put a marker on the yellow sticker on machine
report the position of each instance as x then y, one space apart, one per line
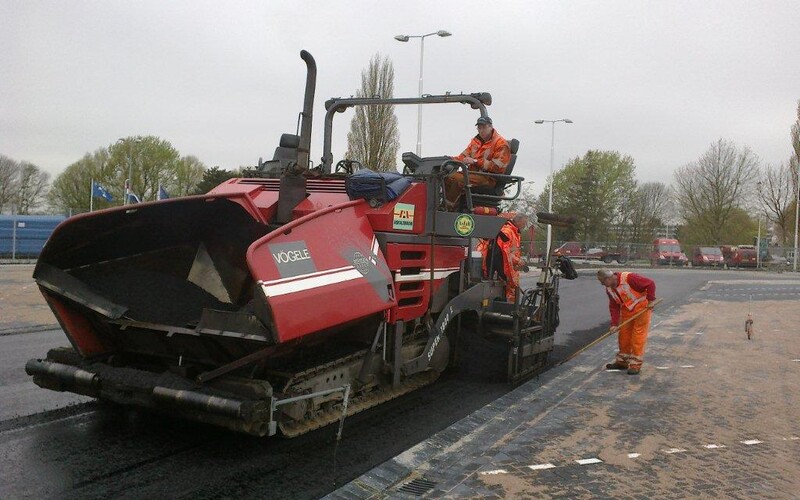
403 217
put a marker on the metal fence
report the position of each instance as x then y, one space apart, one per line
645 253
24 236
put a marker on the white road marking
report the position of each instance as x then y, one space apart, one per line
687 366
541 466
796 360
699 333
493 472
662 367
669 451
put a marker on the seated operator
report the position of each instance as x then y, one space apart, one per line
487 152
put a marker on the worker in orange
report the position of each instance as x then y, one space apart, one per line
502 257
488 151
628 294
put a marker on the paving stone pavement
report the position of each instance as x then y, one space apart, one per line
712 414
22 307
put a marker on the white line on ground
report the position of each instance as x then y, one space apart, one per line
751 442
541 466
662 367
493 472
699 333
796 360
589 461
634 455
713 446
687 366
674 450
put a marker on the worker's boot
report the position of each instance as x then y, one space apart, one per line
634 370
615 366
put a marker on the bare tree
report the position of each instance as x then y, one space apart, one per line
9 181
775 193
32 188
373 139
708 190
649 206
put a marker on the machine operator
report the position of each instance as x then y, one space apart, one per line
488 151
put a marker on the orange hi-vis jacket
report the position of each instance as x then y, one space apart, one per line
626 296
509 241
512 253
491 156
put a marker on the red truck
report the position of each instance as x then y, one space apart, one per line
576 250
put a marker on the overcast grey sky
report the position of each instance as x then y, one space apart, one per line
659 81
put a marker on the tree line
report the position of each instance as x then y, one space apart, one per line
720 198
145 163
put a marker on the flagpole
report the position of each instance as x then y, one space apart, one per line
91 197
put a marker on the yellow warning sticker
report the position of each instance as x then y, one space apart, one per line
403 217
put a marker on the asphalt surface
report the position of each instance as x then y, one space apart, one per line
91 450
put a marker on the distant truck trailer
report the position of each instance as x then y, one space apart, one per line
576 250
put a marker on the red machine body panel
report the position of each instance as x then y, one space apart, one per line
406 214
411 266
321 271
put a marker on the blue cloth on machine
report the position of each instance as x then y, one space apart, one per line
376 185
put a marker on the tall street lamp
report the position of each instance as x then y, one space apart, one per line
405 38
796 217
550 195
129 180
758 237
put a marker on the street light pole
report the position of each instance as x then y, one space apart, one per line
129 181
405 38
758 237
796 216
758 244
550 191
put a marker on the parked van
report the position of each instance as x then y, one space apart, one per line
667 251
707 256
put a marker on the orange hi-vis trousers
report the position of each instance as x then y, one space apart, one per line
633 336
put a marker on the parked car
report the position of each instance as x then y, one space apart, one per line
707 256
667 251
743 256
